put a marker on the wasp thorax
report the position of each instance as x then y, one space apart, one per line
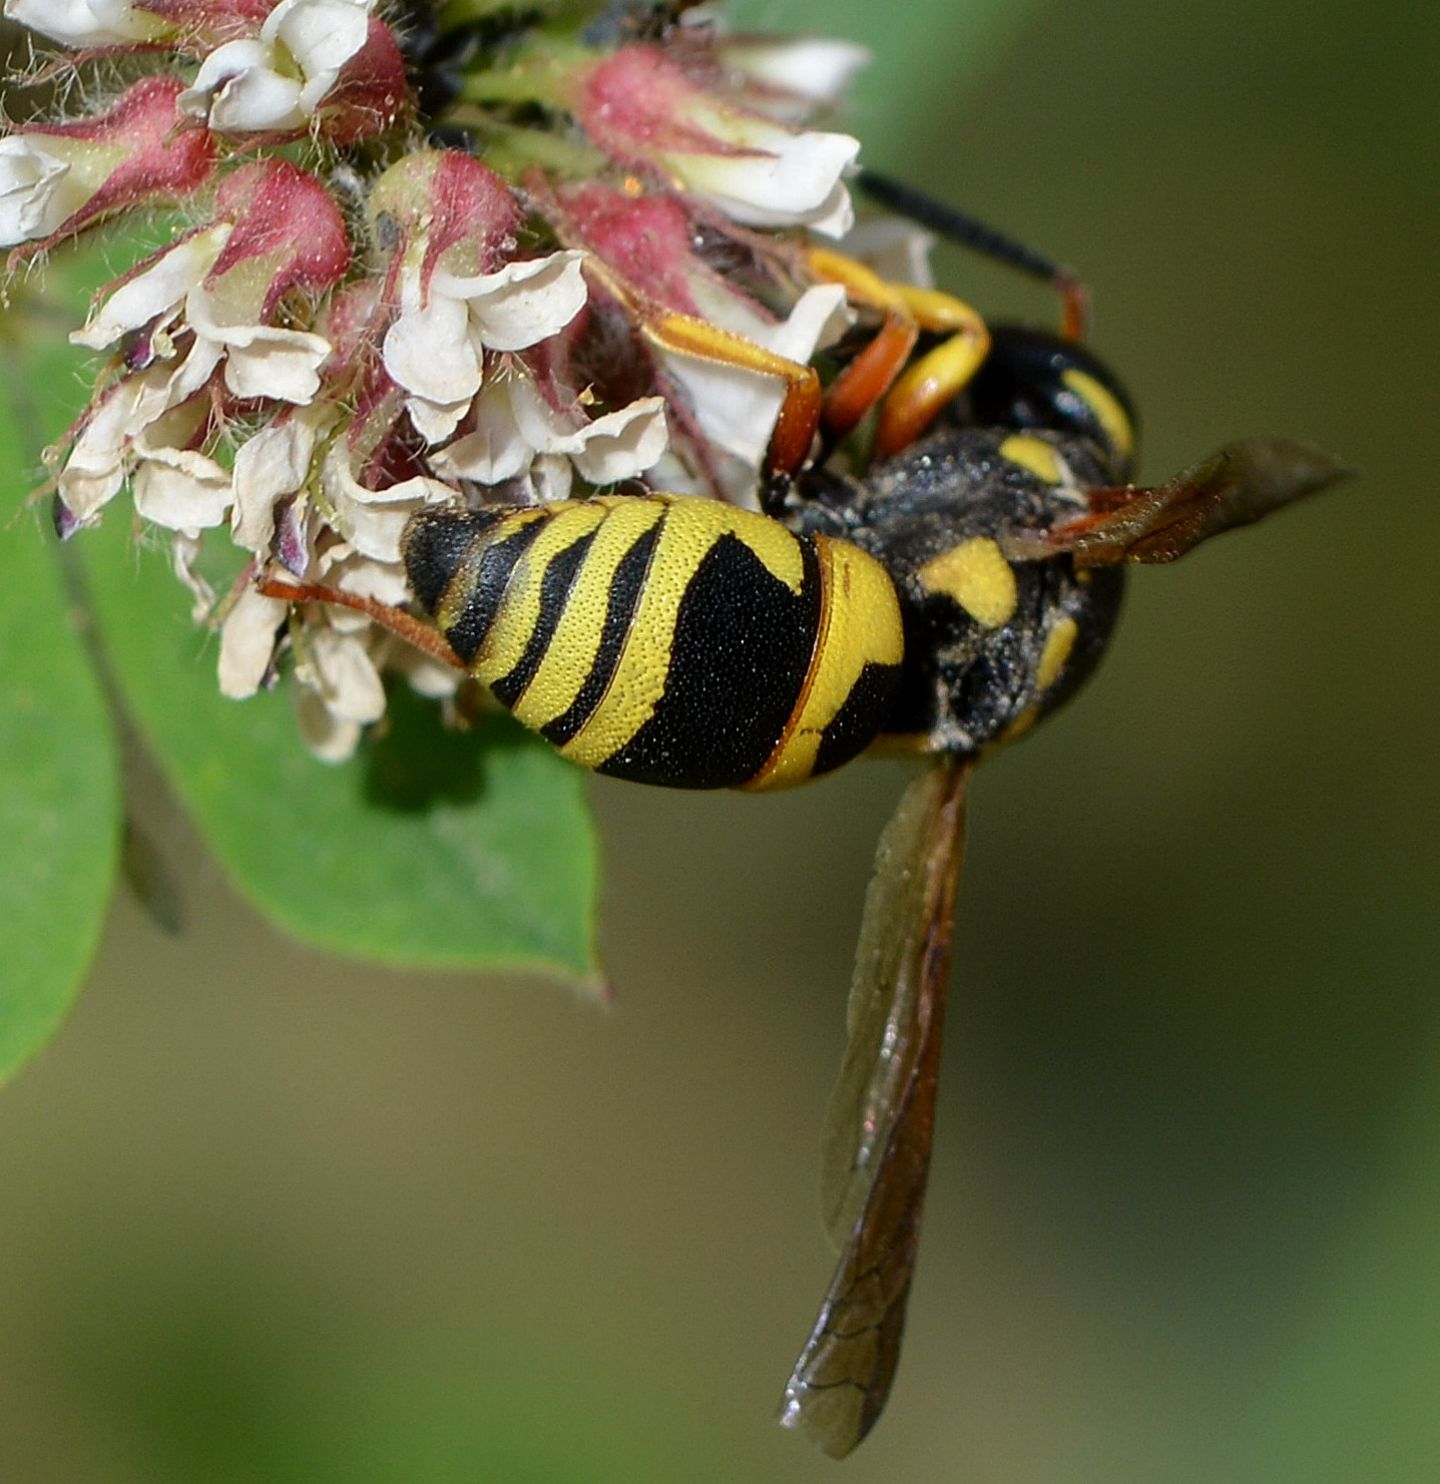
991 645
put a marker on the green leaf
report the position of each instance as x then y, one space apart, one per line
59 782
428 848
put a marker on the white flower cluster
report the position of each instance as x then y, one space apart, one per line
307 383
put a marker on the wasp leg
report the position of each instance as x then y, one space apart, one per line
403 625
799 417
937 377
873 372
684 334
968 231
909 397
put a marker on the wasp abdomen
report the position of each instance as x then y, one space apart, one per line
665 638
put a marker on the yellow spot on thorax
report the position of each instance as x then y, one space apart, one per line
1059 643
1106 407
1035 455
977 577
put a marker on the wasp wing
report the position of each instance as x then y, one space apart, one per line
1238 484
878 1131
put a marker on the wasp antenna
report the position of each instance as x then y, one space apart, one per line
960 227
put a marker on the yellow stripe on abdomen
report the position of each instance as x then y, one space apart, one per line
859 625
618 523
691 529
518 614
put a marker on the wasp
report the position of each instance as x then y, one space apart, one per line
936 605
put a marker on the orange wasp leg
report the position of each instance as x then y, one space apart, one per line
799 416
684 334
909 397
403 625
872 373
937 377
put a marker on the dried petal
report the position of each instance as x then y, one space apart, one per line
247 642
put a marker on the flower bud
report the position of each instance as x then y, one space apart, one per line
325 63
57 178
453 222
644 110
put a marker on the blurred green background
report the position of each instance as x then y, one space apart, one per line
266 1216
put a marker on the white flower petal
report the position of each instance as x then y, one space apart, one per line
526 302
670 472
736 407
429 351
195 370
95 469
159 290
426 676
372 520
239 88
261 360
623 443
515 429
367 578
247 642
344 674
328 738
179 488
84 23
897 250
781 177
835 216
38 191
272 464
278 79
544 429
184 553
281 364
817 317
436 421
321 35
551 478
496 450
814 68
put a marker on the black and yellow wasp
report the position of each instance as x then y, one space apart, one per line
937 605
